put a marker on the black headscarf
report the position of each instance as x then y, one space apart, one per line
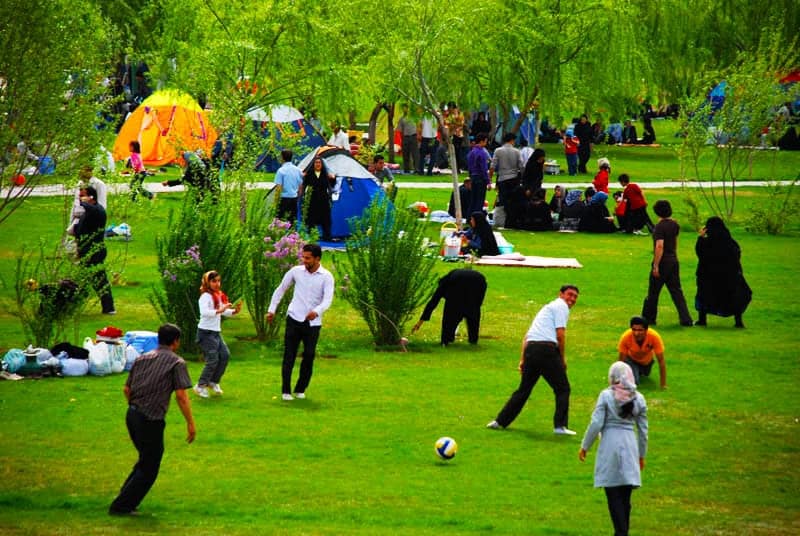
533 176
484 232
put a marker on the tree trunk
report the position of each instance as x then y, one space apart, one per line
373 123
390 131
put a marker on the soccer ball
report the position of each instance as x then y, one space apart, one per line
446 447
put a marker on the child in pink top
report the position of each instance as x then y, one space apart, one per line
139 172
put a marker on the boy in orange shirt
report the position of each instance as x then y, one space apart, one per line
638 345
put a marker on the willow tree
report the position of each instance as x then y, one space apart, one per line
53 59
424 60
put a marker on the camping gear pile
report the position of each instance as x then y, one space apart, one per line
108 353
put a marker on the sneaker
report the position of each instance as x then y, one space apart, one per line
109 312
640 233
494 425
301 396
201 391
287 397
562 430
216 388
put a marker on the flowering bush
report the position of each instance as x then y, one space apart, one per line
199 237
274 248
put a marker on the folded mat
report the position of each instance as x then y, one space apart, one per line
516 259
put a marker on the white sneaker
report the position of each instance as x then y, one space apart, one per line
561 430
640 233
494 425
216 388
287 397
301 396
201 391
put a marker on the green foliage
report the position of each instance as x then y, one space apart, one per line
385 273
50 292
731 135
774 214
53 55
199 237
273 248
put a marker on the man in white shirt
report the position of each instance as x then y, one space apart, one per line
339 138
313 294
428 143
543 354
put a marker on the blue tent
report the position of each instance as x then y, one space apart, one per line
717 96
286 122
355 186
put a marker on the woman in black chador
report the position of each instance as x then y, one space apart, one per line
319 180
721 287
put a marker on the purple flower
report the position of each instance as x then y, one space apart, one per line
267 239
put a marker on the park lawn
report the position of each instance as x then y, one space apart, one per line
357 457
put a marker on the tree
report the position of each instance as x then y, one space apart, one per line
53 60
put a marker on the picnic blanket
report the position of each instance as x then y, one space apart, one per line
527 261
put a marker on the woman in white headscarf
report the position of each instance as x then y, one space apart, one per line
620 456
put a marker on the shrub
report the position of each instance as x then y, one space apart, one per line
199 237
273 248
773 215
50 291
385 273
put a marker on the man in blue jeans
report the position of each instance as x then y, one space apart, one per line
313 295
153 378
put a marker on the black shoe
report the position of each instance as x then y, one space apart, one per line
687 324
739 325
700 323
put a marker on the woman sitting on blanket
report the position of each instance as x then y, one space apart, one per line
480 238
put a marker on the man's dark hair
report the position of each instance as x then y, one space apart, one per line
314 249
509 136
565 288
286 155
168 333
90 191
624 178
639 321
662 208
377 158
481 137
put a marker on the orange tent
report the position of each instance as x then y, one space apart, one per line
167 123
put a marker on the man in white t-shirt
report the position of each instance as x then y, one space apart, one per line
543 354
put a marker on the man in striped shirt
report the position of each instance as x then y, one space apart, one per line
152 379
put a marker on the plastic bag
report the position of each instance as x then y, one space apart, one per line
99 362
14 360
131 354
116 353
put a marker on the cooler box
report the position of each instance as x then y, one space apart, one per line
143 341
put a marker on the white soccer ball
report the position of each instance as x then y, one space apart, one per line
446 448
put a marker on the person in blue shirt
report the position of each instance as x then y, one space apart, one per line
287 181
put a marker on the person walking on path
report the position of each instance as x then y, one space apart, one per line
313 295
620 456
544 354
151 381
214 304
665 269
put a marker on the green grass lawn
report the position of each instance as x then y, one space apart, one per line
357 456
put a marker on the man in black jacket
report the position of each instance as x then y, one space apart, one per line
90 234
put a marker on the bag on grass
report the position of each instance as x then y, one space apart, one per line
14 360
116 354
131 354
99 361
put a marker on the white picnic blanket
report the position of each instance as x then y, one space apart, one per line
527 261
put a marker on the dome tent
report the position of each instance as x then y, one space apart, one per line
165 124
